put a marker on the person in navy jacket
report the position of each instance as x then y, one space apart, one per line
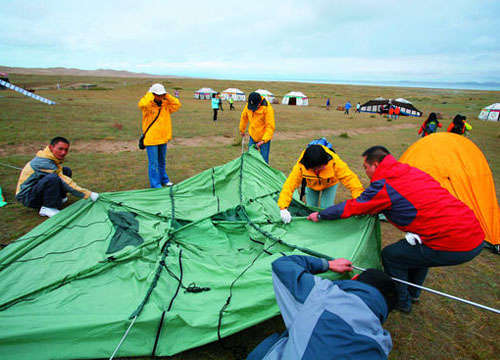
441 230
328 319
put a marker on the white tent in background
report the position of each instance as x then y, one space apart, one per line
236 94
204 93
491 113
295 98
267 94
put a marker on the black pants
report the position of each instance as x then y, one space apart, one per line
215 114
231 107
49 191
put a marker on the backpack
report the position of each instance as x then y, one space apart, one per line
322 141
431 127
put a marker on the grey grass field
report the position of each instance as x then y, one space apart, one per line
103 125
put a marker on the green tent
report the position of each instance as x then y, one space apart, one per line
176 267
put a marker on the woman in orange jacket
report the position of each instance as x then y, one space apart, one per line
156 106
322 170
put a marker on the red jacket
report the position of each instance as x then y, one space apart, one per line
413 201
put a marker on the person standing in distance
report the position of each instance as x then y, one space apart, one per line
156 106
260 114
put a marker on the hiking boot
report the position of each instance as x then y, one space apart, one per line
404 307
46 211
414 300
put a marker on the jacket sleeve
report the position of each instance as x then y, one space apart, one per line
243 120
450 127
372 201
72 187
292 182
145 101
270 125
421 128
349 179
173 104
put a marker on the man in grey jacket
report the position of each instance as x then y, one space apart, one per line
329 319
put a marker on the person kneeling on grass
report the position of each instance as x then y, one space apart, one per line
44 183
322 169
442 230
328 319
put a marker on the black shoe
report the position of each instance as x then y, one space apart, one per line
404 307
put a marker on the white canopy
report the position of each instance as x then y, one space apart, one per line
267 94
401 100
235 93
295 98
490 113
204 93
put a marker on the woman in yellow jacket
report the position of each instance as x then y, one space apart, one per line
322 169
157 104
260 114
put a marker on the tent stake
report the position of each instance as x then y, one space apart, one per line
123 338
439 293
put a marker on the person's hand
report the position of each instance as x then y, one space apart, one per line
286 217
340 265
259 144
94 196
242 134
313 217
413 239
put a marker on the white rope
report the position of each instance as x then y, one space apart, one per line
123 338
439 293
13 167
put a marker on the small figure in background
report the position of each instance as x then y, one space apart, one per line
347 107
328 104
430 125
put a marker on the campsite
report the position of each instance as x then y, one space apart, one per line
102 122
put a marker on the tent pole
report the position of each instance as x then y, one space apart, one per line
439 293
123 338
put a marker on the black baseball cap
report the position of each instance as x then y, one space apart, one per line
254 100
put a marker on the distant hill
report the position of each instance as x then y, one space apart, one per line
78 72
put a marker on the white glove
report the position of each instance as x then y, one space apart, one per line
286 217
94 196
413 239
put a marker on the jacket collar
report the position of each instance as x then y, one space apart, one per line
47 154
384 168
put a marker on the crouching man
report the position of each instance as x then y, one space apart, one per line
328 319
44 183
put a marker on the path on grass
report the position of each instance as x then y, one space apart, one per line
115 146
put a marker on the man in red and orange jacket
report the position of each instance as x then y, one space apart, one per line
442 230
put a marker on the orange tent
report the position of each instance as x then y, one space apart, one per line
461 168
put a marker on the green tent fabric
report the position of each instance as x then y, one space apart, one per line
73 285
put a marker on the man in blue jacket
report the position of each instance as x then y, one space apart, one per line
328 319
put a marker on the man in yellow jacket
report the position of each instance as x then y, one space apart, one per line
259 113
322 169
156 106
44 182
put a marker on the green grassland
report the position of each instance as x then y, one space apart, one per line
437 328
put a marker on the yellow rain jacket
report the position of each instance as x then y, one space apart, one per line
161 131
261 126
335 170
45 163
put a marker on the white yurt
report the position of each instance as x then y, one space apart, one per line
295 98
266 94
204 93
236 94
490 113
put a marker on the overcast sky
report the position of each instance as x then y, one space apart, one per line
303 40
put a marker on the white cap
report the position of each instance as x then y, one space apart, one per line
157 89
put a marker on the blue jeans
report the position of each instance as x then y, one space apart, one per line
327 197
264 148
411 263
157 155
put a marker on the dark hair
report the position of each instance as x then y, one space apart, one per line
59 139
315 156
383 283
214 95
459 119
432 117
375 153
